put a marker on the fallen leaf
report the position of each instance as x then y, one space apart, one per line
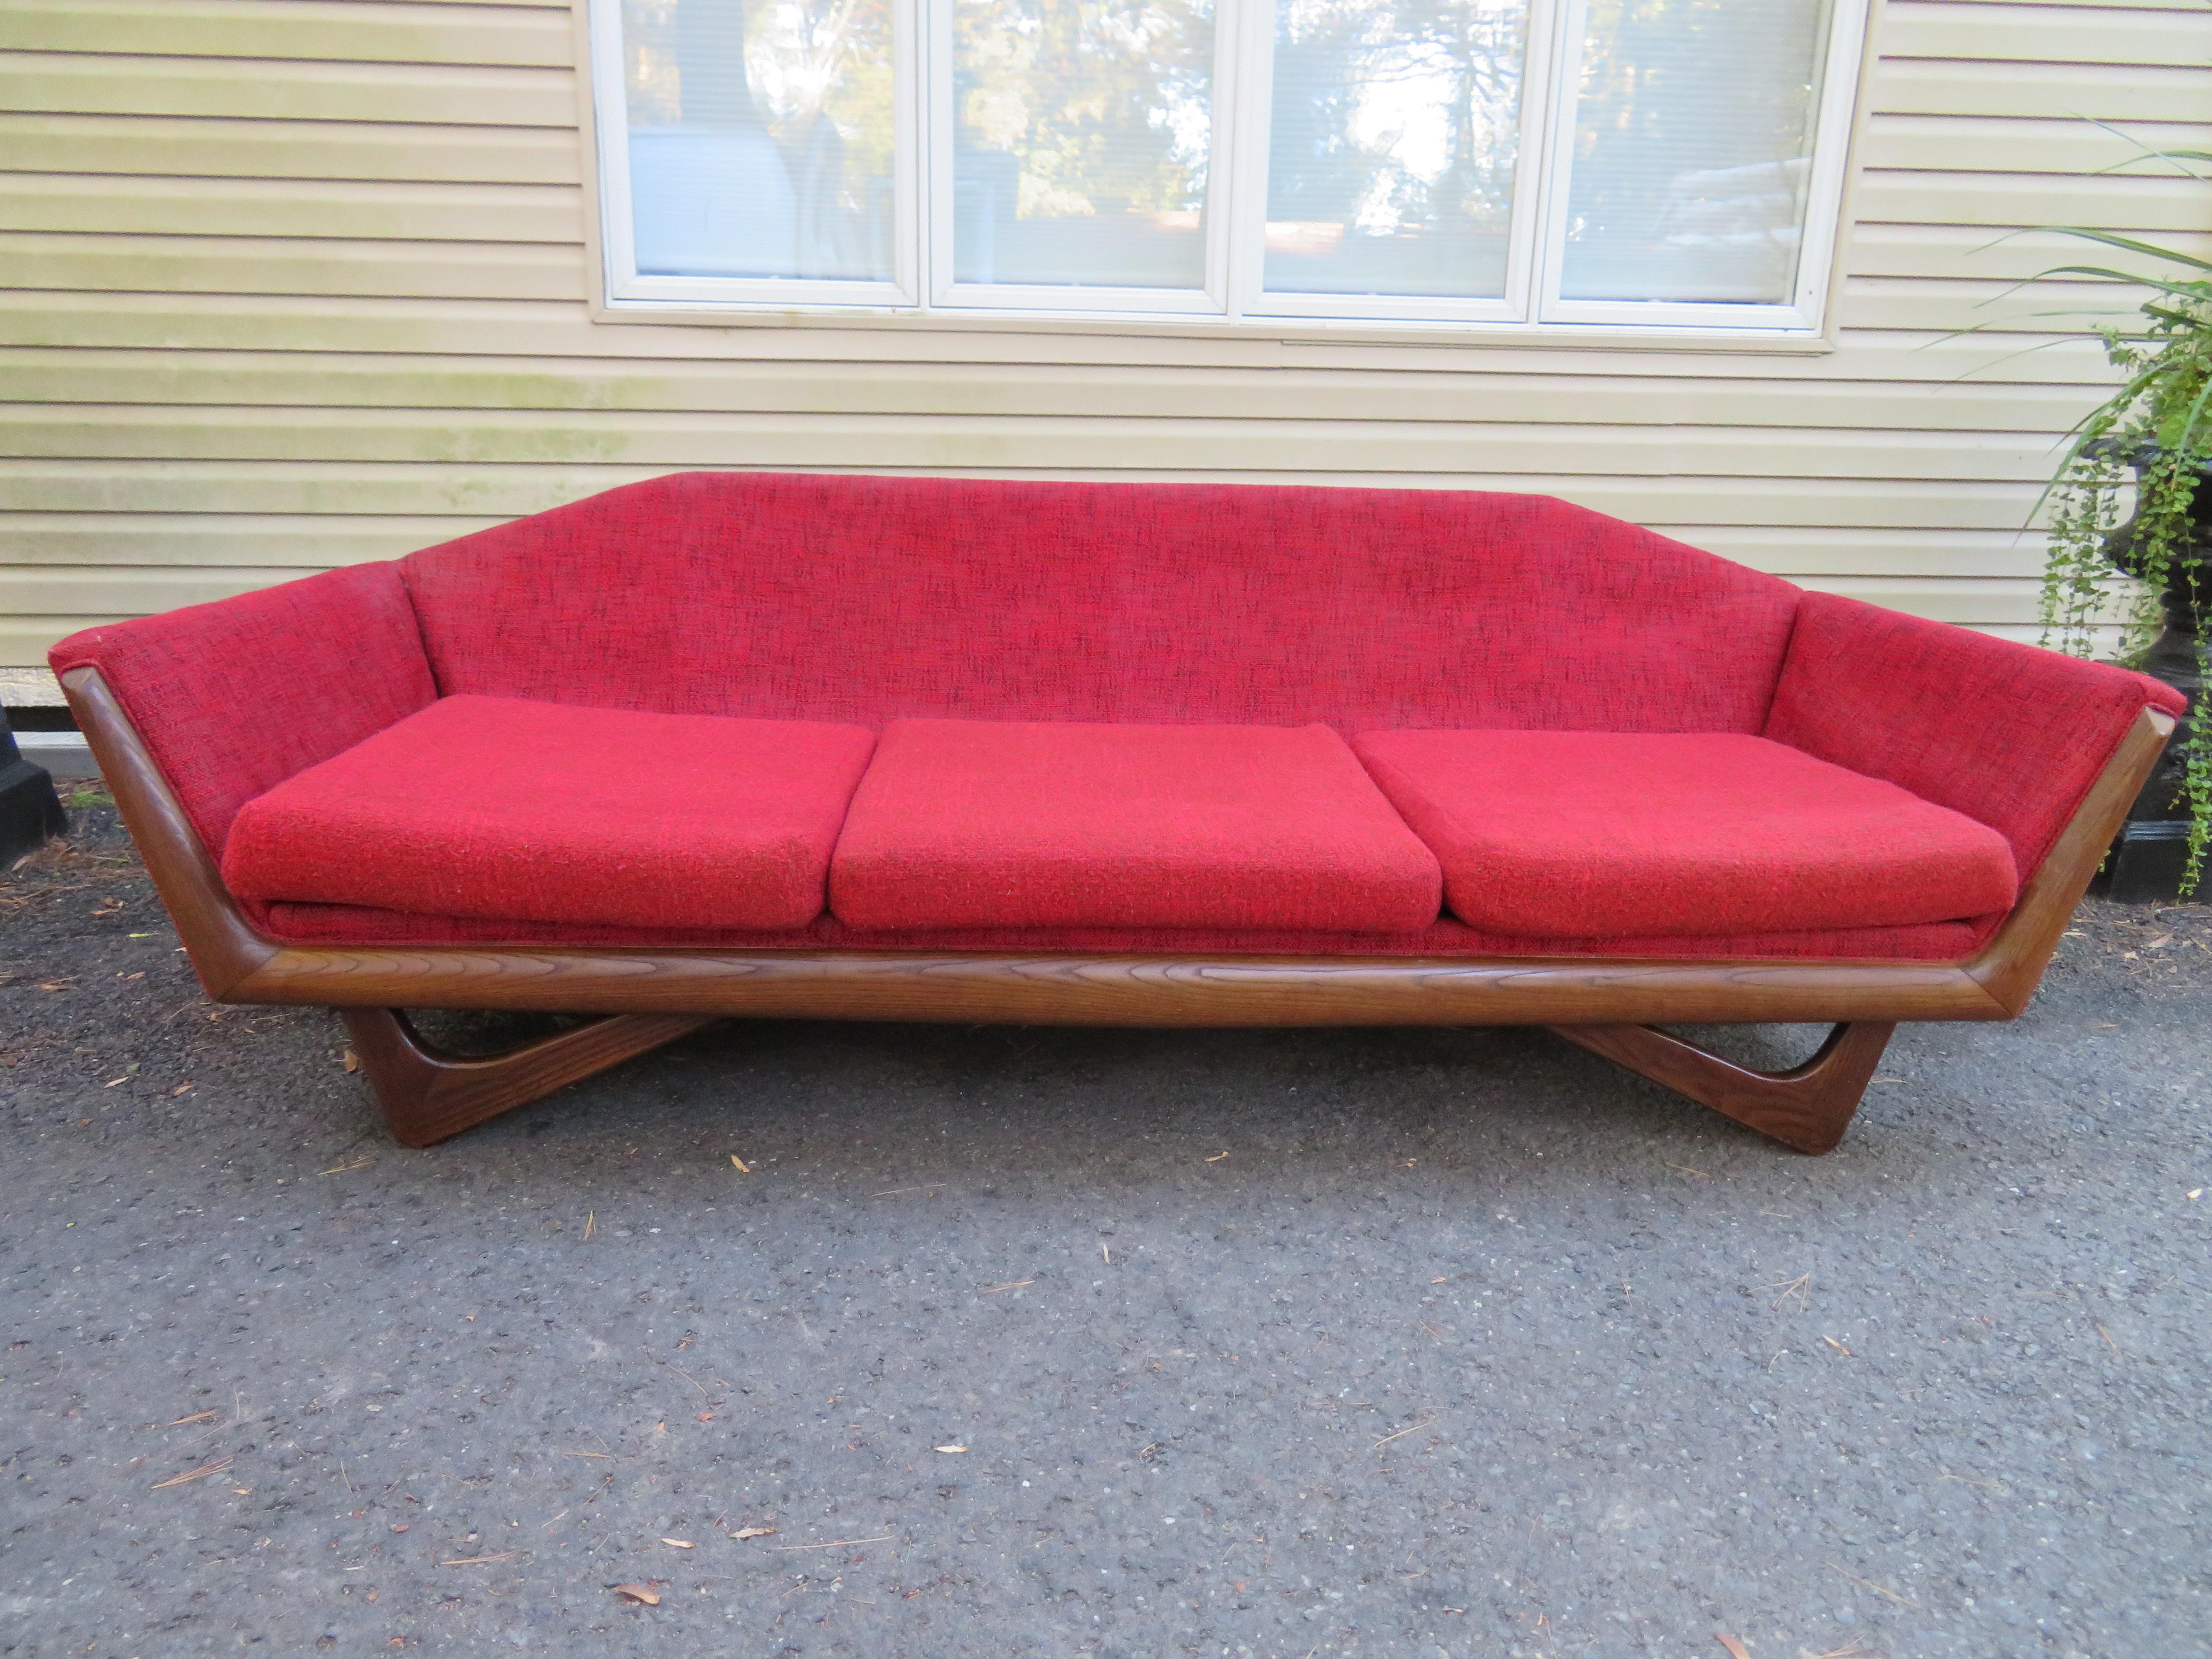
754 1532
2194 1194
679 1543
180 1089
740 1162
949 1449
1736 1650
352 1061
644 1593
2163 938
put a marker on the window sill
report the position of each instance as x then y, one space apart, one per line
1260 332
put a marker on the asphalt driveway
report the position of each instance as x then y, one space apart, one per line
1015 1342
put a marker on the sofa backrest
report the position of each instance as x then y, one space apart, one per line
864 598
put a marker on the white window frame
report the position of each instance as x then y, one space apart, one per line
1823 194
627 288
1231 299
1209 300
1512 307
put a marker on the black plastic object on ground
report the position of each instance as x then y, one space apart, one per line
29 809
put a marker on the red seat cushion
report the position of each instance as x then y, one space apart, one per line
1583 834
973 824
490 806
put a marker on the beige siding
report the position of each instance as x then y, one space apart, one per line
294 283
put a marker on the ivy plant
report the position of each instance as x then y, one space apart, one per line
2158 422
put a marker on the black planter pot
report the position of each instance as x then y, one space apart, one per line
2148 859
29 811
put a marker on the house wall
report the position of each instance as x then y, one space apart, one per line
293 284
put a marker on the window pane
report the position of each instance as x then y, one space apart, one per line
1391 148
761 137
1694 140
1080 130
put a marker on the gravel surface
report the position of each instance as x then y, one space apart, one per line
1141 1344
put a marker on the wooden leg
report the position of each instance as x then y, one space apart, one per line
427 1094
1806 1107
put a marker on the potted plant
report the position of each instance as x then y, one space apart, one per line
2157 426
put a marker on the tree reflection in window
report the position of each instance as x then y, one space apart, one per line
761 136
1080 137
1394 132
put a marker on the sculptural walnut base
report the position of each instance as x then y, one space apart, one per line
1808 1107
428 1095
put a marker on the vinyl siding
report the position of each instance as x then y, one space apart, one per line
293 284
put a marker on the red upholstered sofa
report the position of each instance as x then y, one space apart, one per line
727 744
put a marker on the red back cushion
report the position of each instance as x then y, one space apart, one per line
867 599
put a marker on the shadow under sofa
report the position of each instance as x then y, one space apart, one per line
869 748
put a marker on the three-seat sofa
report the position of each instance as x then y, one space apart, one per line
855 747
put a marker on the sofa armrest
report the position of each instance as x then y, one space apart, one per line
2009 734
234 697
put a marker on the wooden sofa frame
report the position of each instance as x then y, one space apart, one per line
647 996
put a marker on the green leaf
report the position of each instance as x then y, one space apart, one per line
2112 239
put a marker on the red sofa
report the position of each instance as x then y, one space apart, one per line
727 744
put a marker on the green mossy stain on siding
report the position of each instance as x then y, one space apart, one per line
460 442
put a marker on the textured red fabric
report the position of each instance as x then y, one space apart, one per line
488 806
2009 734
1586 835
343 924
235 696
872 598
855 598
976 823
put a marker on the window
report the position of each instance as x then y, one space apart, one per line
1484 164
